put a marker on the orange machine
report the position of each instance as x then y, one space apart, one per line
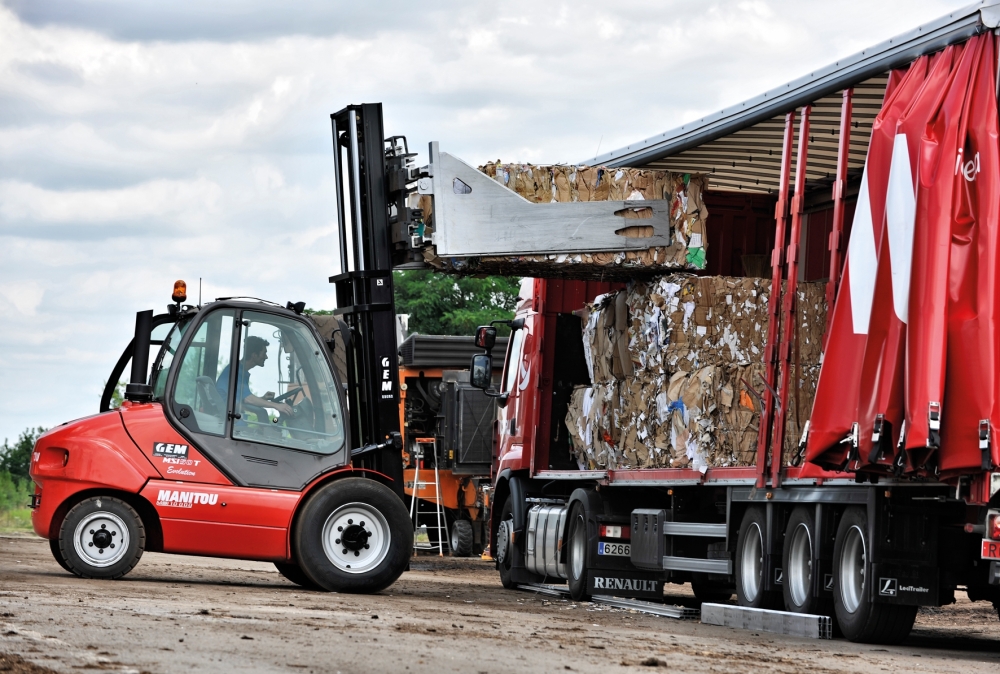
448 424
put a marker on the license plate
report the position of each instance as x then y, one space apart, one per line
991 549
614 549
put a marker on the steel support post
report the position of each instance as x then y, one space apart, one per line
773 306
789 322
839 188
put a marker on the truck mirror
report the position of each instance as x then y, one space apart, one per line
516 324
481 370
486 337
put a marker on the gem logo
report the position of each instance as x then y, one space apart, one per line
386 379
185 499
887 587
170 449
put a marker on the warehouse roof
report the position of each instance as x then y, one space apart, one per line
740 146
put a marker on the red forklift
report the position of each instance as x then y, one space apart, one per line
308 476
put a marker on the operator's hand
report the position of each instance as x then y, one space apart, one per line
284 408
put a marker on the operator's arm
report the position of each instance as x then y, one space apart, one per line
261 402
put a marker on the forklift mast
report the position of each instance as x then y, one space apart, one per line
373 175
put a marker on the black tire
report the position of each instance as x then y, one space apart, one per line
710 593
798 563
57 554
101 521
505 551
370 519
293 573
750 550
861 619
462 538
576 552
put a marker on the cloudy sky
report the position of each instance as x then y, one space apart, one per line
143 141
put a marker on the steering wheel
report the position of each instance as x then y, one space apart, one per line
291 393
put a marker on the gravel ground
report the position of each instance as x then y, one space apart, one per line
193 614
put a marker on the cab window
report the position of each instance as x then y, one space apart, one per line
199 397
513 359
284 392
161 366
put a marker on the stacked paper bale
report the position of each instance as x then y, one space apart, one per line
546 184
685 399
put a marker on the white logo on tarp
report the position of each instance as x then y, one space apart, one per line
185 499
969 169
900 217
862 260
887 587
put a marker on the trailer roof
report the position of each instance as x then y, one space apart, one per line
740 146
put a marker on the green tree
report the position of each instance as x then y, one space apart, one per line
440 304
118 395
15 459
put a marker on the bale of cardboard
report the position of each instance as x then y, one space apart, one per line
676 366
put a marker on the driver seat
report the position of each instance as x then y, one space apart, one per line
210 399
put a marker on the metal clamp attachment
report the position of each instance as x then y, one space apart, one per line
984 442
934 425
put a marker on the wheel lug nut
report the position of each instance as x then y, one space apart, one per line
112 545
114 533
100 551
91 531
361 523
104 527
350 521
356 553
338 529
367 546
337 541
345 551
91 544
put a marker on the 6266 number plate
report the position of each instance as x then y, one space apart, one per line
614 549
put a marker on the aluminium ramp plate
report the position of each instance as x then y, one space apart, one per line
679 612
765 620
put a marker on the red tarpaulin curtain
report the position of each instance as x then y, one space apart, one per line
915 315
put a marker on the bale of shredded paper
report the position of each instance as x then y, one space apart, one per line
677 364
546 184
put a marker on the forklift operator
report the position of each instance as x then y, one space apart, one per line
254 355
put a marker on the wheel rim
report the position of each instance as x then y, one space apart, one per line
853 561
101 539
356 538
503 540
799 571
577 549
752 562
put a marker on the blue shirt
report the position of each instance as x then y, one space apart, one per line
242 384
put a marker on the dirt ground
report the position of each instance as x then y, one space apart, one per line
193 614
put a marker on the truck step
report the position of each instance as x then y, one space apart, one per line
694 529
766 620
722 567
678 612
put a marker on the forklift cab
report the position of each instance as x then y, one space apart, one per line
249 385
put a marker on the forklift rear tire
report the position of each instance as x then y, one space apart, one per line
750 554
353 535
576 552
293 573
57 553
101 537
860 618
461 538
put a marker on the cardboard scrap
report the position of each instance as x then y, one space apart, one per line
546 184
672 382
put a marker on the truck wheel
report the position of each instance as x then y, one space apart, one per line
506 548
461 538
353 535
750 581
860 618
101 537
797 563
576 552
293 573
57 553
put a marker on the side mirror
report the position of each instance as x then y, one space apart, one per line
486 337
481 370
516 324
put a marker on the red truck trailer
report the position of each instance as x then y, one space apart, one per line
892 499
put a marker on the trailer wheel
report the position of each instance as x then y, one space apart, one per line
576 552
860 618
57 553
461 538
750 552
353 535
798 564
101 537
506 548
295 574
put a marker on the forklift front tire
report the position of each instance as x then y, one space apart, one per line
101 537
353 535
57 553
291 571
